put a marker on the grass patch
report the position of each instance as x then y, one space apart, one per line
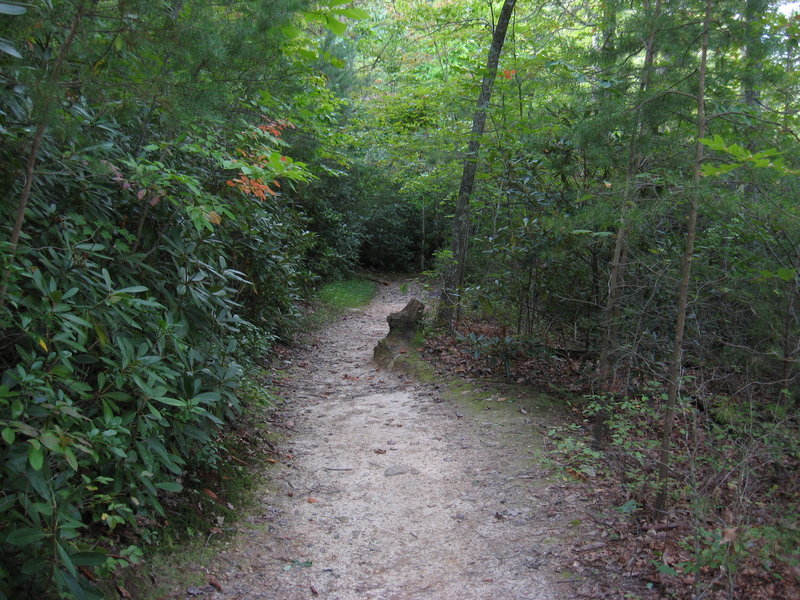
352 293
334 299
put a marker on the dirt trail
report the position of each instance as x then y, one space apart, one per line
391 494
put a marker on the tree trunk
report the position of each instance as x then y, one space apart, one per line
676 360
611 309
454 275
754 51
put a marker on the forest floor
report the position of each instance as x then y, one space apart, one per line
390 486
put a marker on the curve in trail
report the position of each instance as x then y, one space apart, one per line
390 495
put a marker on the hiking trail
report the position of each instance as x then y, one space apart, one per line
391 492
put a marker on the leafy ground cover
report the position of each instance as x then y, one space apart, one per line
732 529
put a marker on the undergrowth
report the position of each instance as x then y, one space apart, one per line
732 529
171 553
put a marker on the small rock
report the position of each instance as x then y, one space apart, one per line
400 470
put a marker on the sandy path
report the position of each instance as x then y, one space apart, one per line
390 493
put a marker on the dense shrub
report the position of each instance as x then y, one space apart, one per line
162 234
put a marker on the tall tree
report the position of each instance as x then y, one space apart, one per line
611 309
676 359
454 276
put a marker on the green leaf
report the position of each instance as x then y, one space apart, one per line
71 460
36 457
24 428
89 558
16 408
134 289
208 397
76 319
24 536
50 441
664 568
7 393
710 170
102 337
5 46
9 435
335 25
171 401
12 9
715 143
67 560
291 32
169 486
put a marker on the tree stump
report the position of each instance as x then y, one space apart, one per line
403 327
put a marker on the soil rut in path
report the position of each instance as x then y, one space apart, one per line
390 494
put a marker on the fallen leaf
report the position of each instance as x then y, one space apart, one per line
212 581
210 494
312 500
123 592
729 535
314 591
577 474
592 546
